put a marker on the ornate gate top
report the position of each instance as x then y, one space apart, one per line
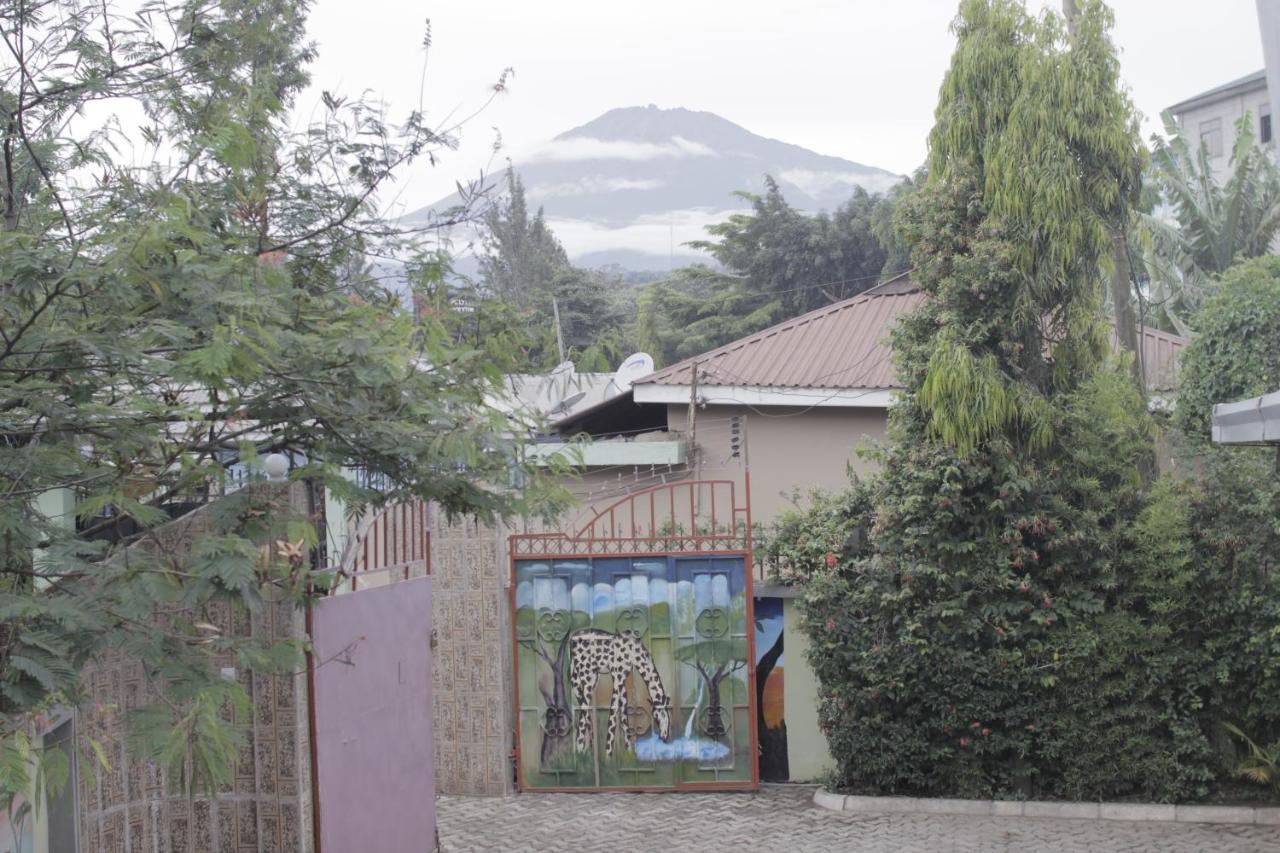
699 516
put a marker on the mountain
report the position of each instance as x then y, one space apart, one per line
631 186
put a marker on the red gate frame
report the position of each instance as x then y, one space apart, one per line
585 543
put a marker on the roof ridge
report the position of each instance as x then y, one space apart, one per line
1247 82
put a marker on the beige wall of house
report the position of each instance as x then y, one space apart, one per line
473 710
1214 124
788 451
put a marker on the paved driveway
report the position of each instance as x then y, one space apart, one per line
782 818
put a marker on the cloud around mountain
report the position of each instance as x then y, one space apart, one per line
578 148
634 184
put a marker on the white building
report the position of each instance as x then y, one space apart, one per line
1211 117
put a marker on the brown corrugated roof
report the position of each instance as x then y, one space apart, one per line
846 346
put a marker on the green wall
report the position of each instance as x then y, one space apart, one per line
807 752
335 514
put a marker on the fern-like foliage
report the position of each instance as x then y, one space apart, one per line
1262 764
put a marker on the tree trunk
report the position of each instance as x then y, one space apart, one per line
774 764
557 729
715 712
1122 299
1127 334
1069 12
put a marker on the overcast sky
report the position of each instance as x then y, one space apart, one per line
855 79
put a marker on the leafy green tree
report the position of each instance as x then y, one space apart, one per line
522 258
961 648
590 328
696 309
796 262
1236 351
1215 225
1110 108
162 324
525 267
884 226
777 262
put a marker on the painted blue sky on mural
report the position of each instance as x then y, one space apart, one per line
555 593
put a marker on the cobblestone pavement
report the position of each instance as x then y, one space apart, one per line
783 818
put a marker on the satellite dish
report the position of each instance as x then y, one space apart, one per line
633 367
556 386
567 403
560 382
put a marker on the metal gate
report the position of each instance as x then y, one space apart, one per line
633 644
369 681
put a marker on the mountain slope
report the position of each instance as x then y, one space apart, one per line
636 183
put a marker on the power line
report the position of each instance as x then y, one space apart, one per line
881 277
639 430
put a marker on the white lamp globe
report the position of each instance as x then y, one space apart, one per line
276 465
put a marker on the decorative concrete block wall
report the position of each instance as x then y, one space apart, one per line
472 686
136 806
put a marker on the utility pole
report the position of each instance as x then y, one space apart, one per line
692 452
692 426
555 310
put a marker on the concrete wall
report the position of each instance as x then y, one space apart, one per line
136 806
807 753
1228 111
788 451
472 684
1269 27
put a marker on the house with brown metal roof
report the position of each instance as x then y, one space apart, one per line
790 404
812 389
776 413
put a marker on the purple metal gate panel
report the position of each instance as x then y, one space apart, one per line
373 719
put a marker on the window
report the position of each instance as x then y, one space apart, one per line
1211 136
1264 123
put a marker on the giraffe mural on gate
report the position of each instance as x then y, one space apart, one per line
610 659
593 653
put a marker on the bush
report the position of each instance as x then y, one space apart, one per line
826 527
1028 617
1091 645
1236 352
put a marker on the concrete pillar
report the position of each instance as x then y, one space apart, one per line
1269 27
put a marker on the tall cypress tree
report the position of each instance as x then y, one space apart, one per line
965 648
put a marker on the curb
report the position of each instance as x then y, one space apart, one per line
1134 812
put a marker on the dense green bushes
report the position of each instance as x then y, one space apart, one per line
1236 351
1026 615
1102 666
1017 625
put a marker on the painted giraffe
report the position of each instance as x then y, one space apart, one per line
593 653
